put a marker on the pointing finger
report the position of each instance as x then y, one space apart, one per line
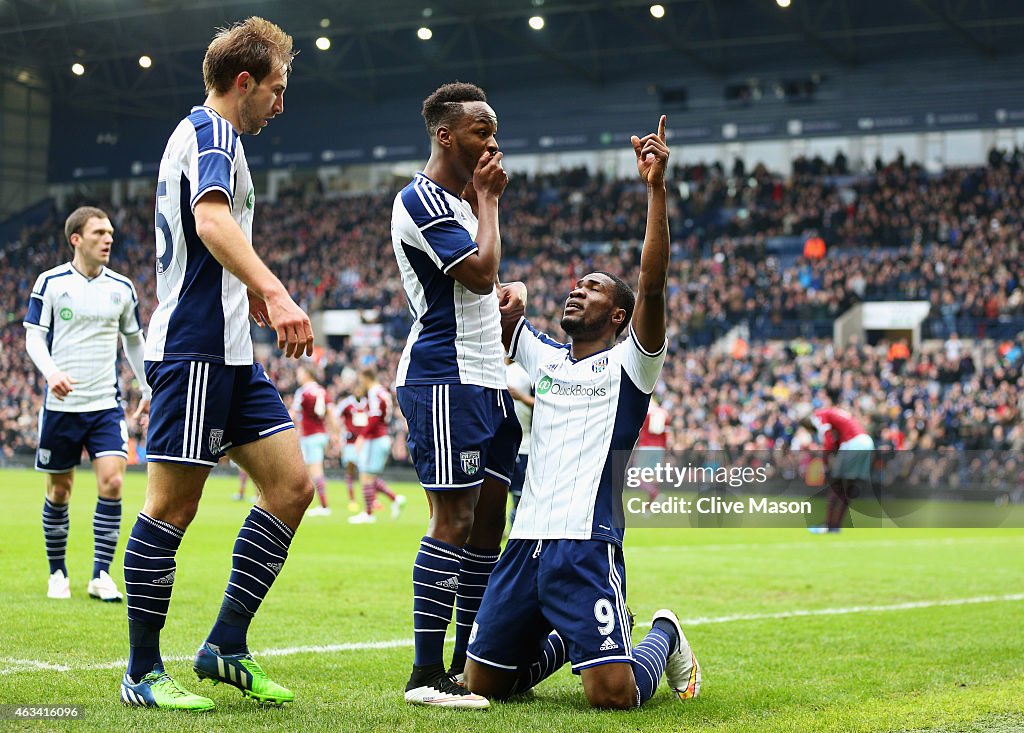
661 127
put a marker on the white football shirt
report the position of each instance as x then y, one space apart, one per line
82 318
584 412
520 381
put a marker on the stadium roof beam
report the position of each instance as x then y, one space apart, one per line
478 59
370 69
595 60
847 23
716 32
553 54
122 13
673 37
488 40
957 28
810 29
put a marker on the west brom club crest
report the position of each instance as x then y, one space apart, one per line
216 436
600 365
470 461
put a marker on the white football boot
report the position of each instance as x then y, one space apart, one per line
105 589
682 672
59 587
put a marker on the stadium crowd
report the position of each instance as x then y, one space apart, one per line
895 232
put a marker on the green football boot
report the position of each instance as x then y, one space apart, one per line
159 690
242 671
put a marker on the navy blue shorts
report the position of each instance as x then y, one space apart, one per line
458 433
576 587
62 435
201 409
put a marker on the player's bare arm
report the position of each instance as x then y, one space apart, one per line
479 272
526 399
226 242
649 315
512 307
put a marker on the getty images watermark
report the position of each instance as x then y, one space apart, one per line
786 488
670 477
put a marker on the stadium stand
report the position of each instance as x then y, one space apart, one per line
893 232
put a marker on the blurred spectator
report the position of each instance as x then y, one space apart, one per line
895 233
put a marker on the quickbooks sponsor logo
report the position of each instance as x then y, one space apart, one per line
547 384
66 314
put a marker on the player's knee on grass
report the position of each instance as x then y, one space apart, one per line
492 683
610 686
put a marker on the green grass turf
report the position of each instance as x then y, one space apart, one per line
936 668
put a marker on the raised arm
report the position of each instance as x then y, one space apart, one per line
649 315
479 271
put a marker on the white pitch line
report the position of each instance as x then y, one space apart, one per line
34 666
20 666
30 665
798 613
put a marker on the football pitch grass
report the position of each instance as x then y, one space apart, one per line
867 630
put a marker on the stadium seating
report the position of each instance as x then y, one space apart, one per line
892 233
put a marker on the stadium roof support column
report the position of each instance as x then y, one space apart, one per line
24 140
956 28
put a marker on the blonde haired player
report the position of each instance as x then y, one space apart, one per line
209 395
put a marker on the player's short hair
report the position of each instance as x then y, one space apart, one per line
254 45
76 220
622 297
444 106
368 373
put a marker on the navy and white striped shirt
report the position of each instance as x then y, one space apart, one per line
203 313
456 336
